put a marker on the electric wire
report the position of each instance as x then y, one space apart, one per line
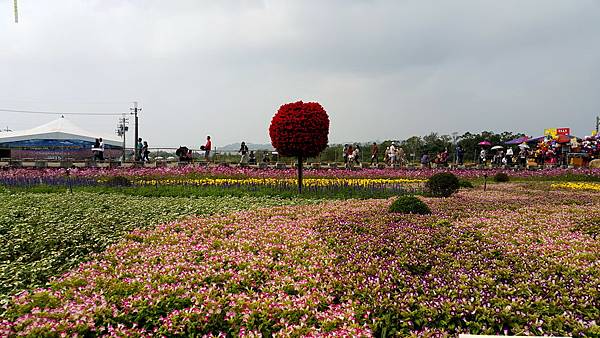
58 113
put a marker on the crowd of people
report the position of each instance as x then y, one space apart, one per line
351 154
552 151
393 155
560 150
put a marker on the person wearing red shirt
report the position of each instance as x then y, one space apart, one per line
207 148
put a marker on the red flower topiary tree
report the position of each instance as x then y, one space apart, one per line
300 130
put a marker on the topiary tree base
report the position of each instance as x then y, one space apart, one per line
299 174
409 205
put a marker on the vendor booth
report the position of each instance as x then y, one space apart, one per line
57 140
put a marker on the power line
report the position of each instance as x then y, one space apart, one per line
57 113
10 100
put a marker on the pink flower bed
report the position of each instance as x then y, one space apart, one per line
287 173
511 260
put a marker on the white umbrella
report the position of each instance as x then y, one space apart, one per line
497 147
523 145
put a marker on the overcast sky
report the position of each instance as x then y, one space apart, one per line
381 69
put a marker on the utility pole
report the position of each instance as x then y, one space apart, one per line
597 124
135 111
122 128
16 12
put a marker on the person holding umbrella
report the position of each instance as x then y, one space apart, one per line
499 154
523 153
483 152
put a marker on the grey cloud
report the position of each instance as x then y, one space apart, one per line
383 69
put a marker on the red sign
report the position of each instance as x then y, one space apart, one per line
563 131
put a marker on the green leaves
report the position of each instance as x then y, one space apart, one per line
43 235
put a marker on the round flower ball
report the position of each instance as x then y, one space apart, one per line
300 129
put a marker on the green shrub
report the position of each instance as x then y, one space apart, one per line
409 205
442 185
118 181
501 177
465 183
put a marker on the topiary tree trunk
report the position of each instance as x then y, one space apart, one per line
299 174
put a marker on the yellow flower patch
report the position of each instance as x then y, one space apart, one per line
309 182
578 185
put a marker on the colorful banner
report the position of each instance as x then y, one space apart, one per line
550 132
554 132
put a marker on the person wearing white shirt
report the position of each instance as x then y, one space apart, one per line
392 154
101 151
509 156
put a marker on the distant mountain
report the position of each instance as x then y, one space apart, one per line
251 146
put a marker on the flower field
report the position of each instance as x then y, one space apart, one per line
42 235
234 181
510 260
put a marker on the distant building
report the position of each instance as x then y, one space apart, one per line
56 140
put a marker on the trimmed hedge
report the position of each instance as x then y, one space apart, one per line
409 205
442 185
465 184
501 177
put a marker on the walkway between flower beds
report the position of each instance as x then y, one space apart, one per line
511 259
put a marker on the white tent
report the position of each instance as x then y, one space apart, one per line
59 129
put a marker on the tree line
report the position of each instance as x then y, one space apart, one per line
432 144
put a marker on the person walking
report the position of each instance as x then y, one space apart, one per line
101 151
509 156
345 154
145 152
349 156
444 158
374 153
207 147
96 150
482 156
392 154
460 154
386 155
244 152
425 161
140 145
400 156
356 154
523 157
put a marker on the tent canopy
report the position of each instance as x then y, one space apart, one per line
518 140
58 133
